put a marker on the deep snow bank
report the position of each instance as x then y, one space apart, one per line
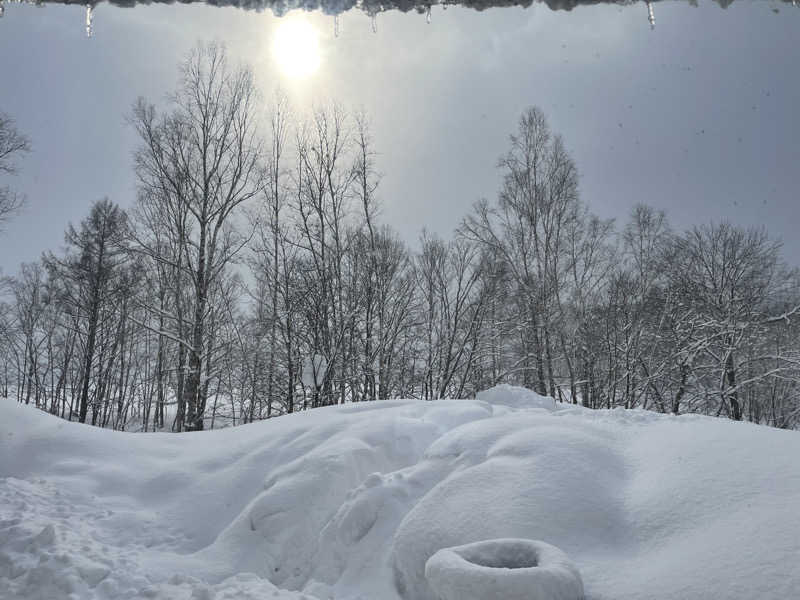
350 502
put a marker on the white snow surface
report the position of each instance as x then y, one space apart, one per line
350 502
507 568
515 397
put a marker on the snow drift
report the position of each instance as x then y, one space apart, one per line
351 502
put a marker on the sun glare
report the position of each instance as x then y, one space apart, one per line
296 48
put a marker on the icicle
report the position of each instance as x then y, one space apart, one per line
335 25
88 20
651 15
2 8
428 15
374 24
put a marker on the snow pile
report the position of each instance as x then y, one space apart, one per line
351 502
523 475
509 569
53 545
516 397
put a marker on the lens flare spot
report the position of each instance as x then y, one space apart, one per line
296 48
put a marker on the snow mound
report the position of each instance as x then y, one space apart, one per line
512 569
527 475
51 547
351 502
515 397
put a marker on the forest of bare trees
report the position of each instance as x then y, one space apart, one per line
252 277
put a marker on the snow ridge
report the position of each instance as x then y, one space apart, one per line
351 502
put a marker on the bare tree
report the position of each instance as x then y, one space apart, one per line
203 159
323 190
91 280
527 229
453 307
12 145
728 275
271 239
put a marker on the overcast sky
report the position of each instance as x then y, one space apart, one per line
698 117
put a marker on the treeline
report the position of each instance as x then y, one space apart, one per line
253 278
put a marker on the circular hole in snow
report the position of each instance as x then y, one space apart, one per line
512 569
510 555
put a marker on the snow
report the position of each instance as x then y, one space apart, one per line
351 502
511 569
516 397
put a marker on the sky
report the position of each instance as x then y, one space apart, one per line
696 117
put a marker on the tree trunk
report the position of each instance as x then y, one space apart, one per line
733 397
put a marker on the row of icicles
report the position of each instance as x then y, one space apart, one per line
39 3
651 17
372 14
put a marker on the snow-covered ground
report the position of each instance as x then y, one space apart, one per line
350 502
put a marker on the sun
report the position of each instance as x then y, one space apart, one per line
296 48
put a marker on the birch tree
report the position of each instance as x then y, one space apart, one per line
202 157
